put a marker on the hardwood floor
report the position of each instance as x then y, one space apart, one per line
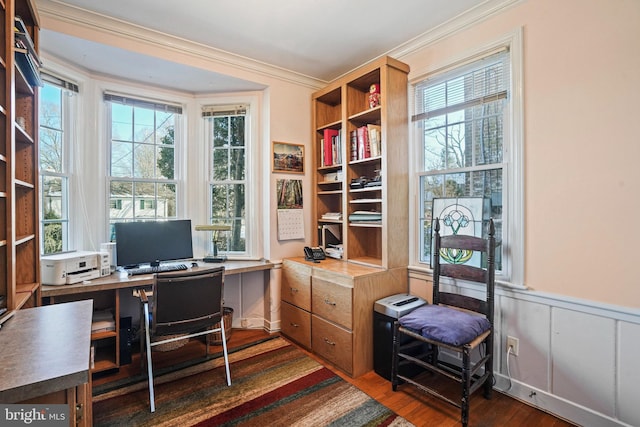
408 402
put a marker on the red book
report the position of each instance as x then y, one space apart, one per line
363 143
329 135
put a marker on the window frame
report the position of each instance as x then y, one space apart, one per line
141 101
68 92
253 222
512 273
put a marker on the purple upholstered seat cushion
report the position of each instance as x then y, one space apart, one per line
444 324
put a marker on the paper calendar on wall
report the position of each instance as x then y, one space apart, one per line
290 212
290 224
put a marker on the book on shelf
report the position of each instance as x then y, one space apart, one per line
375 139
23 39
332 176
363 143
365 216
366 142
353 145
332 215
330 144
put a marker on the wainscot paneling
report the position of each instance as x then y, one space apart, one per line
576 358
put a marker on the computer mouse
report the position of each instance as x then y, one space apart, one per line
194 264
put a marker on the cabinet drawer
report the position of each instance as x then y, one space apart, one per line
332 301
332 343
296 324
296 284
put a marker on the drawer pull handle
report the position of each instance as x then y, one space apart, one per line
326 301
294 290
329 342
295 325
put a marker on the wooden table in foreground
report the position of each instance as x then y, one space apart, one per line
45 358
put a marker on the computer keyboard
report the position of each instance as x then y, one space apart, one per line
159 269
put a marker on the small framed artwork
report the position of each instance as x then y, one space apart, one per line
287 157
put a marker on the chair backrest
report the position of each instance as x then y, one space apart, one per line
187 301
485 275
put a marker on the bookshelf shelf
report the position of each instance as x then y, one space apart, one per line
19 222
346 107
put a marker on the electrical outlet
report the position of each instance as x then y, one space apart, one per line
513 343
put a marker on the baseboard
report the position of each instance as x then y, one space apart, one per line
553 404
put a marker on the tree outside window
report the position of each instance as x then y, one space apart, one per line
142 167
228 178
460 118
54 173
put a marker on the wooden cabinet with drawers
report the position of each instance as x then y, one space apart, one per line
327 307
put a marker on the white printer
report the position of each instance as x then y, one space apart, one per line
73 267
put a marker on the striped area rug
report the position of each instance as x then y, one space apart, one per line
273 384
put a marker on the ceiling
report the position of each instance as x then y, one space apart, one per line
317 39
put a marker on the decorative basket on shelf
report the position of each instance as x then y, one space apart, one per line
216 337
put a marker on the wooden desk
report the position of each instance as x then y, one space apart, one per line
45 358
119 280
106 296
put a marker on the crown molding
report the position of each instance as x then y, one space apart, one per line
76 16
453 26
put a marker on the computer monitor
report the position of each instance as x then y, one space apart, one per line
151 242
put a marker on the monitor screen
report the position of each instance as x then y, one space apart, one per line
145 242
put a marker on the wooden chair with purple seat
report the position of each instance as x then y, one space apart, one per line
184 304
459 323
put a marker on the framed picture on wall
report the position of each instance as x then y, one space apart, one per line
287 157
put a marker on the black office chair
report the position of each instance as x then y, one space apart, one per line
455 322
184 304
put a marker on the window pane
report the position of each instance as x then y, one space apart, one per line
166 162
144 125
487 134
219 201
237 164
220 131
166 201
121 200
121 159
51 150
145 161
220 164
53 237
228 172
486 184
237 131
51 107
121 122
165 127
53 189
144 191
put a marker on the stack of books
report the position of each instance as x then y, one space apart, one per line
102 321
368 217
332 216
26 56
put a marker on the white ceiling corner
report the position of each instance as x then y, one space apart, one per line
306 42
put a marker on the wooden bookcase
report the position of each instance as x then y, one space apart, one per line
328 306
19 221
343 107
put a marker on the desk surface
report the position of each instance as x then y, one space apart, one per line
44 350
119 280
